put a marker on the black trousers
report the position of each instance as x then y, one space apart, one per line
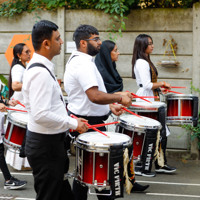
48 158
3 165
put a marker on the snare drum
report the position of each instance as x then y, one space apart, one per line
182 109
93 157
142 131
16 129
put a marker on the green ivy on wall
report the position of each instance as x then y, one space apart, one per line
118 9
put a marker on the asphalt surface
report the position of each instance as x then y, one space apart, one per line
182 185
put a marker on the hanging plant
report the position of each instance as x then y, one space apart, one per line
169 57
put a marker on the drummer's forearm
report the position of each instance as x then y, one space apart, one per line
158 84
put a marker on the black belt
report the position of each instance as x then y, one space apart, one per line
39 136
98 118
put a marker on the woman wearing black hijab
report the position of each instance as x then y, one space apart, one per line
105 62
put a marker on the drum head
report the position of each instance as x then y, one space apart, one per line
135 123
96 140
18 118
139 106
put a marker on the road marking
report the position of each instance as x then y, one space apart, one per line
169 183
15 198
18 173
173 195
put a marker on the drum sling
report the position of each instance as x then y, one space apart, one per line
148 150
116 171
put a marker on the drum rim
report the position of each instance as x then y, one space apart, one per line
180 95
103 147
148 105
140 127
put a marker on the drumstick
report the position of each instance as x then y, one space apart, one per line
99 125
130 111
15 109
19 103
141 97
153 97
174 92
95 129
176 87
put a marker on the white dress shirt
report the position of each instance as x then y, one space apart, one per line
81 74
17 74
143 76
42 98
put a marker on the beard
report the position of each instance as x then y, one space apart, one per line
91 50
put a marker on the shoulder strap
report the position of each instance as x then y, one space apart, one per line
71 58
41 65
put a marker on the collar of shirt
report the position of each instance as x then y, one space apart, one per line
43 60
75 52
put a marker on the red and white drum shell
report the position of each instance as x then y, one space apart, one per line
137 128
16 129
92 156
182 109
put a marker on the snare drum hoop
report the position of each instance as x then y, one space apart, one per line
138 127
17 121
83 141
179 96
148 107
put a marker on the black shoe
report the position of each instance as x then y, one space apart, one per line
148 174
14 184
139 188
165 169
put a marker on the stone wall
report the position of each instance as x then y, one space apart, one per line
183 25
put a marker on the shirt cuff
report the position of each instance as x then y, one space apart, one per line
73 123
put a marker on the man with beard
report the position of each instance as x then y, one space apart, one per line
87 96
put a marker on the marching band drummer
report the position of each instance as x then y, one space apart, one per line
10 181
146 74
48 120
21 53
86 90
105 62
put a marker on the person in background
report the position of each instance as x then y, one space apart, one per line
21 53
10 181
146 74
105 61
48 121
86 90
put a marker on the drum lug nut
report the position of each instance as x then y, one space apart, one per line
101 154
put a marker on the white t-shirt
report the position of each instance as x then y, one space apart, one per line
17 74
143 76
81 74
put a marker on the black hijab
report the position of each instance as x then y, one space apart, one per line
112 80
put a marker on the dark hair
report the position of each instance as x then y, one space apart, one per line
41 31
109 44
140 45
17 50
84 32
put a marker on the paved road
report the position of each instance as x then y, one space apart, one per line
184 185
